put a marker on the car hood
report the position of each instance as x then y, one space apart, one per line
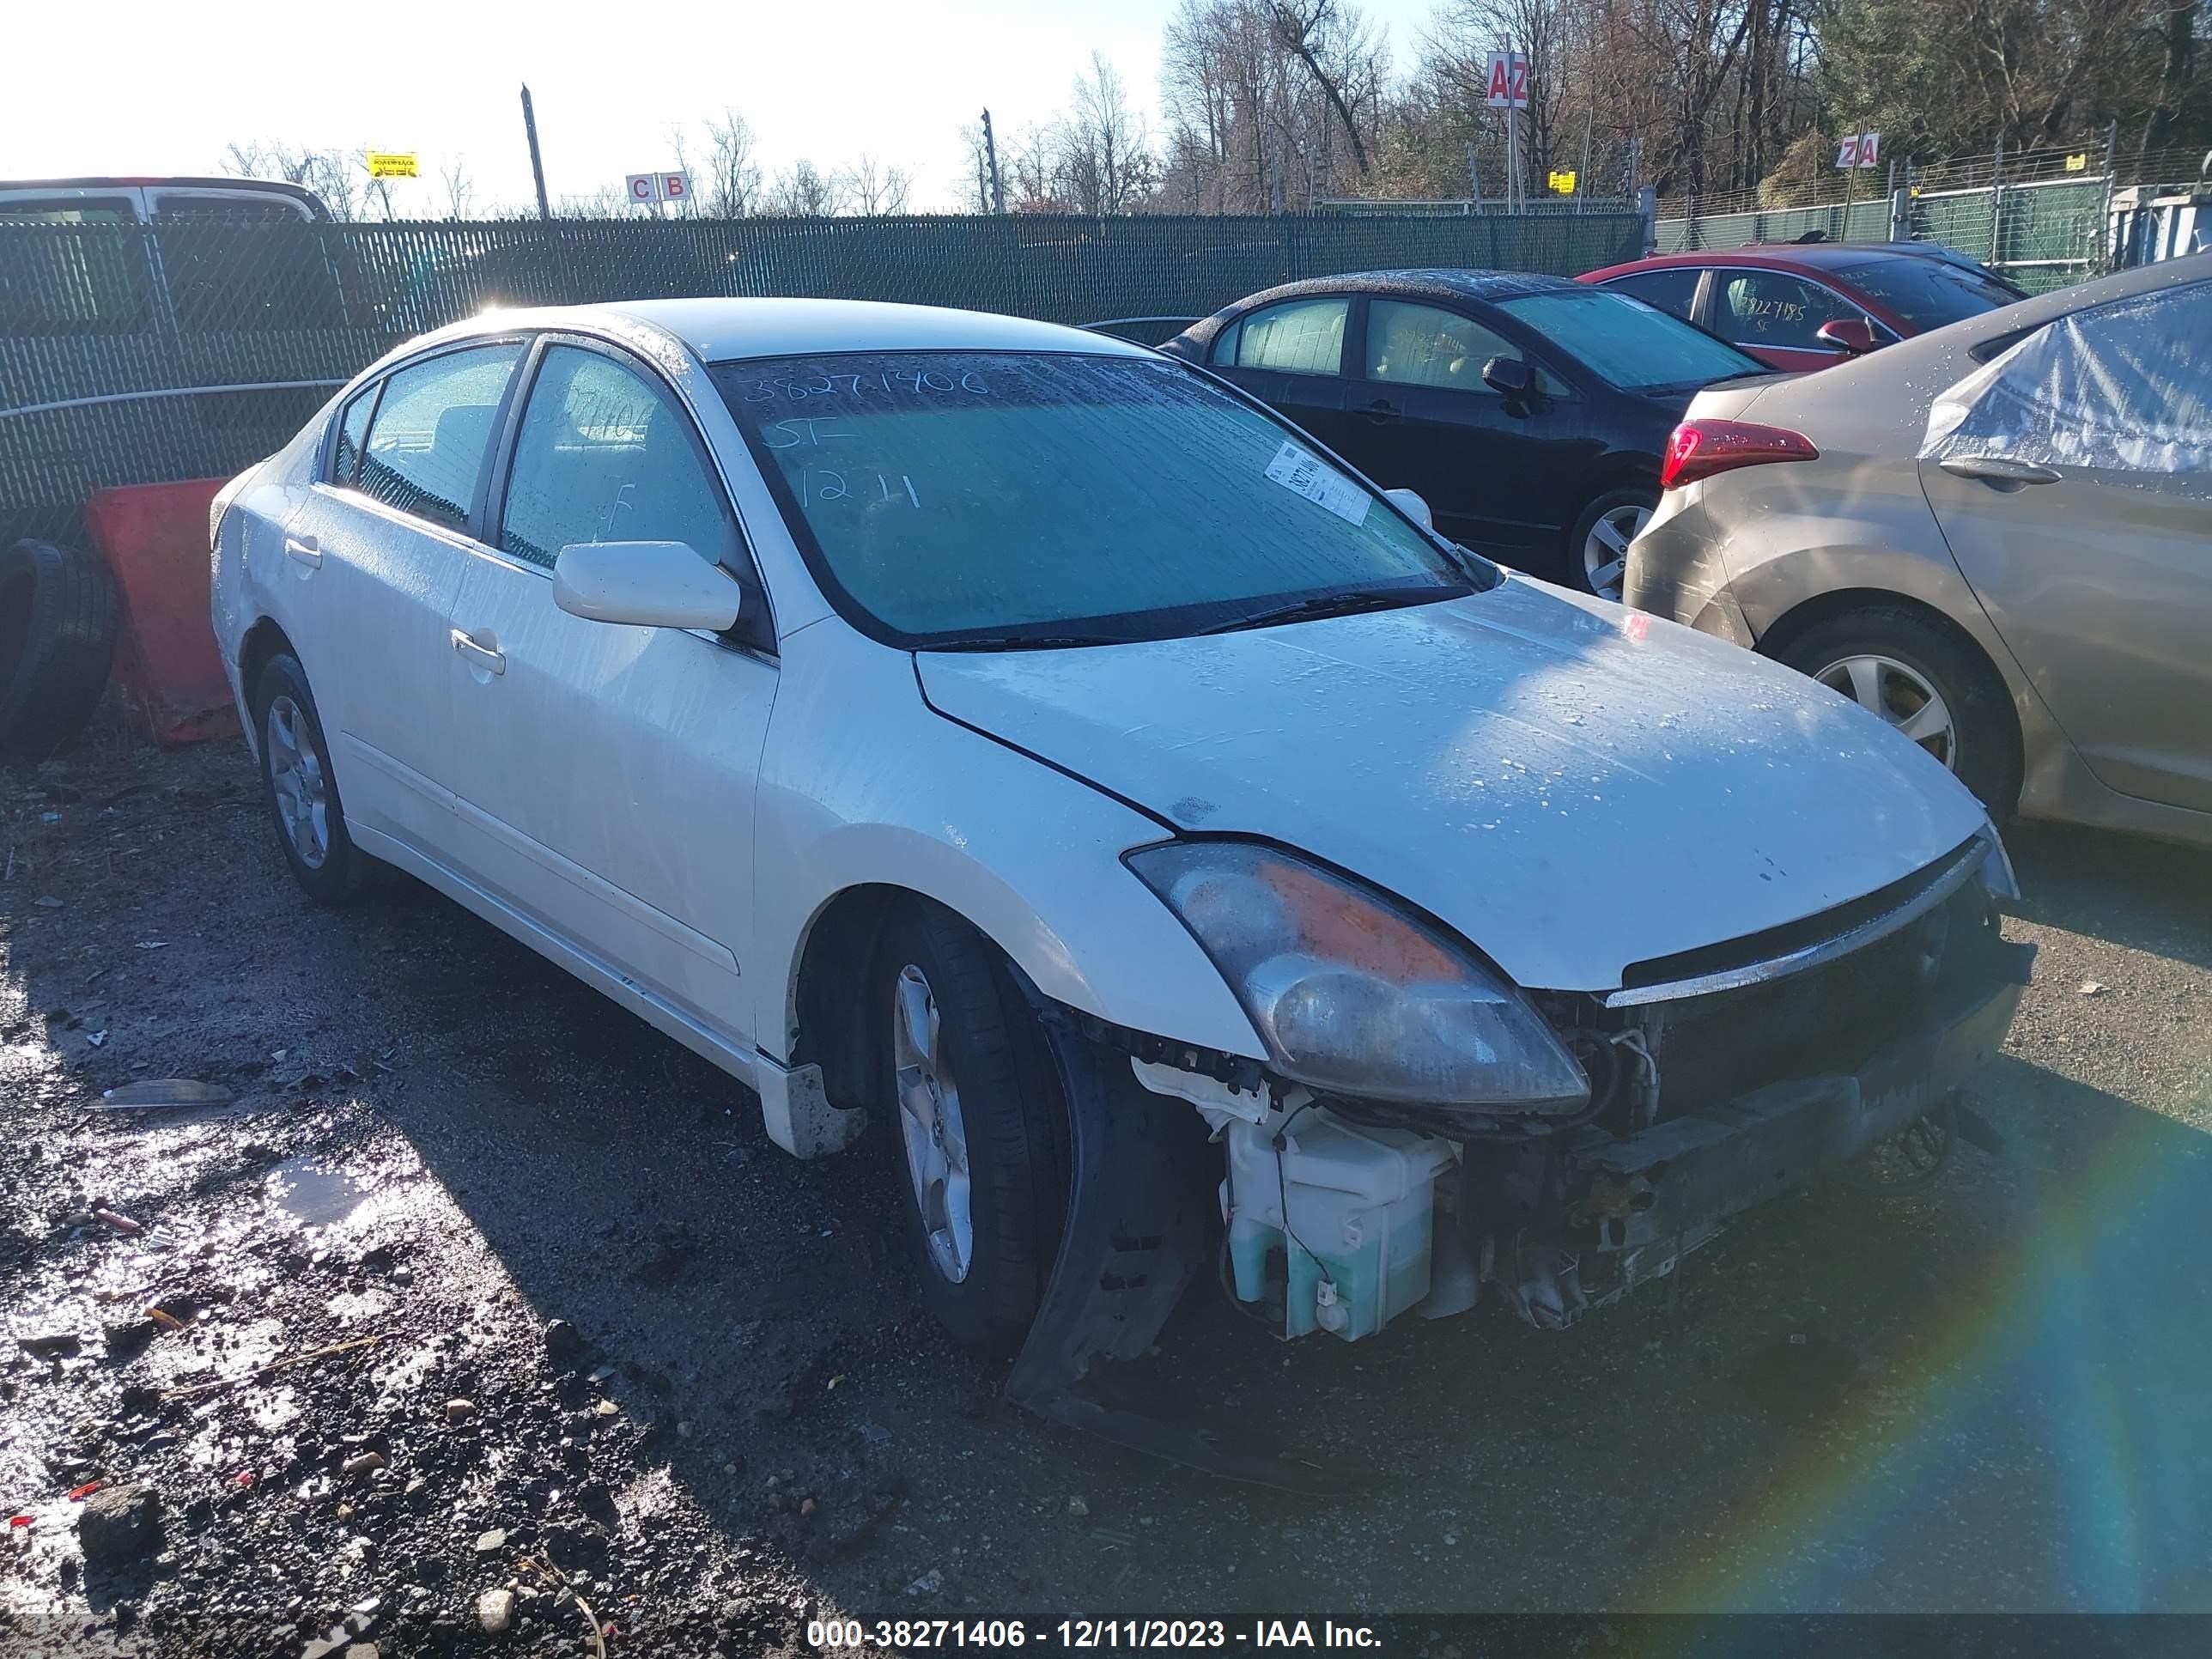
1573 787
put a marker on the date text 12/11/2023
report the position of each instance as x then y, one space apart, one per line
900 1635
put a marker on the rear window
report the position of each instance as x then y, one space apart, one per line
1628 342
1927 293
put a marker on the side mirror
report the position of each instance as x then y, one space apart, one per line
1410 503
1851 335
1510 378
646 583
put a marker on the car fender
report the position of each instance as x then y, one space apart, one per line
1871 535
863 784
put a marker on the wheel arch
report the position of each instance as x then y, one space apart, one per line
265 640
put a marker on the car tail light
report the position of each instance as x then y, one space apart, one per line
1698 449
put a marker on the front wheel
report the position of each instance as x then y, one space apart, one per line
982 1134
1597 547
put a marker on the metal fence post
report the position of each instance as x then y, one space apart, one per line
2107 255
1996 204
1900 214
1647 204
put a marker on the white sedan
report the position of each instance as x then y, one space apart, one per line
1033 742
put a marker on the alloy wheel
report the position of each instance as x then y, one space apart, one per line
1902 697
1605 550
295 775
930 1122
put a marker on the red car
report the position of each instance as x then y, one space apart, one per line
1807 305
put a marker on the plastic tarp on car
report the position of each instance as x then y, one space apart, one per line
2126 386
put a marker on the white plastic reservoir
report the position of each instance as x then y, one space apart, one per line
1361 1205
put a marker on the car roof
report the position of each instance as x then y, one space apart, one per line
1425 283
725 329
270 186
1784 256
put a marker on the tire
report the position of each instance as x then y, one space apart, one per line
308 816
59 618
1007 1116
1982 748
1624 512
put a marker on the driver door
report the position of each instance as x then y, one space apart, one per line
608 797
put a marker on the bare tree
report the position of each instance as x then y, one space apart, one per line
733 177
340 181
1103 161
460 188
803 190
876 189
1305 28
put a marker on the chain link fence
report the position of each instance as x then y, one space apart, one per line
143 354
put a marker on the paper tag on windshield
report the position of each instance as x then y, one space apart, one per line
1319 482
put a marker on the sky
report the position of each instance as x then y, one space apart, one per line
165 87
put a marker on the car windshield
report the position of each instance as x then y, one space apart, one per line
1635 346
1926 293
946 499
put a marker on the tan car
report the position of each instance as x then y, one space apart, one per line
1997 536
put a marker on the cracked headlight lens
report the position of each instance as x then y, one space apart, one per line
1353 995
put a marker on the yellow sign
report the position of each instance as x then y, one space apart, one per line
1562 184
392 164
2078 163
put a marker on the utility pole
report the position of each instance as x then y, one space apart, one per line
1513 202
537 161
1582 179
991 154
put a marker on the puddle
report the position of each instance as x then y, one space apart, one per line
313 1197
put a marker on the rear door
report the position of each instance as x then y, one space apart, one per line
1290 356
609 794
2077 498
372 562
1672 289
1421 418
1776 316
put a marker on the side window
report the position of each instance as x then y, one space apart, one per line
1674 289
1773 308
607 455
1304 336
1421 345
427 438
353 435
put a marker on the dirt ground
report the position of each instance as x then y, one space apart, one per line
1990 1396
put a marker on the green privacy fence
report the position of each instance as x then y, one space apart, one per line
142 354
2040 235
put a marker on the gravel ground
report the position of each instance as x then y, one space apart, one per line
1989 1397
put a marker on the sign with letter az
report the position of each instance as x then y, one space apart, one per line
1509 80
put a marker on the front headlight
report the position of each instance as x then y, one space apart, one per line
1351 995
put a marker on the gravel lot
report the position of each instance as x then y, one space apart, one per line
1989 1397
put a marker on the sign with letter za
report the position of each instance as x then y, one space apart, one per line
1859 149
1509 80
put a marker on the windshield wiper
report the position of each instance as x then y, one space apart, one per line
1327 604
1027 643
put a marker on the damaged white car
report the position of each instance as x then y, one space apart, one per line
1033 744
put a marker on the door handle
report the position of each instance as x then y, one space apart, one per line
1380 410
304 550
1998 469
481 656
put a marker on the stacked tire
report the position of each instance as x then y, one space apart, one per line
59 614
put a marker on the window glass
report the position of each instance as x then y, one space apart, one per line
1305 336
1673 290
242 208
1773 308
353 434
607 455
1423 345
71 210
949 496
1927 293
1630 344
428 439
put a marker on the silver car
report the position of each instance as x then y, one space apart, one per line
1997 536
